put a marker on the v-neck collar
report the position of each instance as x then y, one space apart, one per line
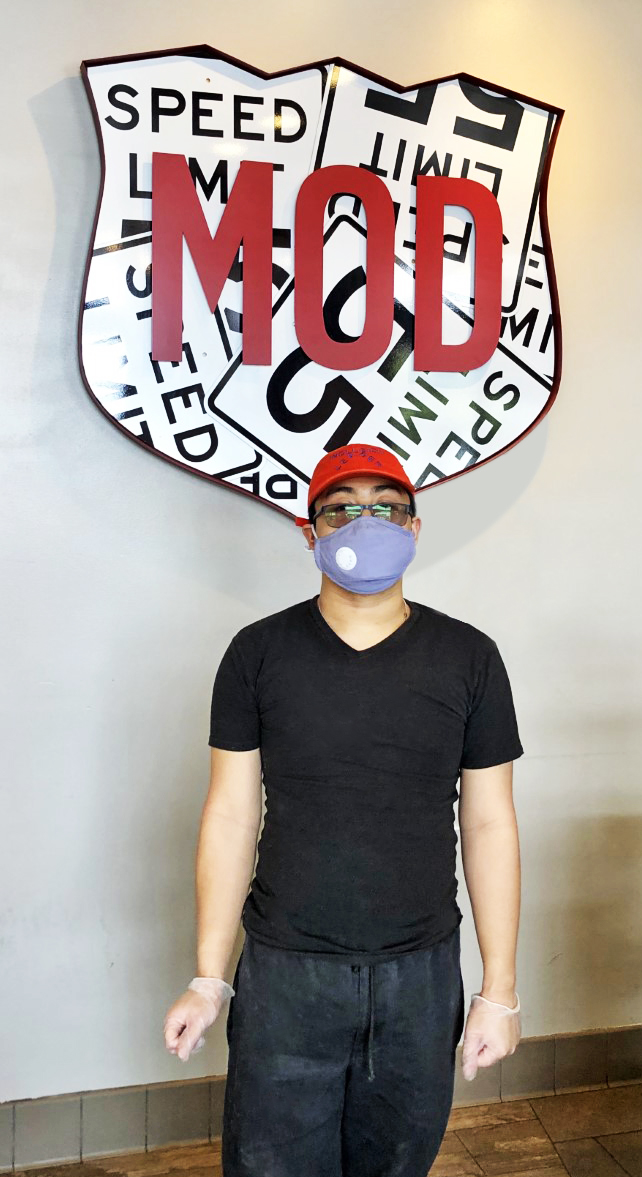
338 642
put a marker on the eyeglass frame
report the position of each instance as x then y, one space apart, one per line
406 507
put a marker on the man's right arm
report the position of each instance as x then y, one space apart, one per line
226 855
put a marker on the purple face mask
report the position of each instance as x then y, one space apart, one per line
367 555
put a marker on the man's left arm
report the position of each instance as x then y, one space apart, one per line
491 861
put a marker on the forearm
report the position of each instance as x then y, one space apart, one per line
491 862
225 860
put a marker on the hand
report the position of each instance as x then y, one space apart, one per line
193 1013
492 1031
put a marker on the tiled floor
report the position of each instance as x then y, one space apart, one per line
585 1134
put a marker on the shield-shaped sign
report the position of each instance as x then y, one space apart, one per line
261 429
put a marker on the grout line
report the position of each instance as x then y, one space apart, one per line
544 1127
539 1119
466 1148
560 1158
625 1172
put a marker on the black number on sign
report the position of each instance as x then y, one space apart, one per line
512 111
400 351
335 391
133 288
415 110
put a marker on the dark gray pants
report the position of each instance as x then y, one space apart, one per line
340 1070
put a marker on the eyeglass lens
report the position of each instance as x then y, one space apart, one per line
342 513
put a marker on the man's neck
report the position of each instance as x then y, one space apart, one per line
362 619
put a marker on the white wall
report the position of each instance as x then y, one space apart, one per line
125 577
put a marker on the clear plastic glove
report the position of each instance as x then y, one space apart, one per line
193 1013
492 1031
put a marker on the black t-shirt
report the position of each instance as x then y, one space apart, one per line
361 753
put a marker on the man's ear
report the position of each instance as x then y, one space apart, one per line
309 535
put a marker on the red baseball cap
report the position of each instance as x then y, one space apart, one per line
354 459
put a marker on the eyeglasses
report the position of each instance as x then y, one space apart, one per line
338 514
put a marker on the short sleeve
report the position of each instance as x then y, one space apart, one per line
491 735
234 721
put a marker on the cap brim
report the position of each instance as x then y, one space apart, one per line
358 471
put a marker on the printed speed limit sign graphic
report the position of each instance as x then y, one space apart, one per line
283 263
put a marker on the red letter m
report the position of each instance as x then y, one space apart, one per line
247 217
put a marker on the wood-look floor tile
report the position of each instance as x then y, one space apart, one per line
195 1160
454 1160
626 1147
587 1158
64 1169
510 1147
590 1113
555 1169
489 1115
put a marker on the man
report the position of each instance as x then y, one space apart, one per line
362 711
